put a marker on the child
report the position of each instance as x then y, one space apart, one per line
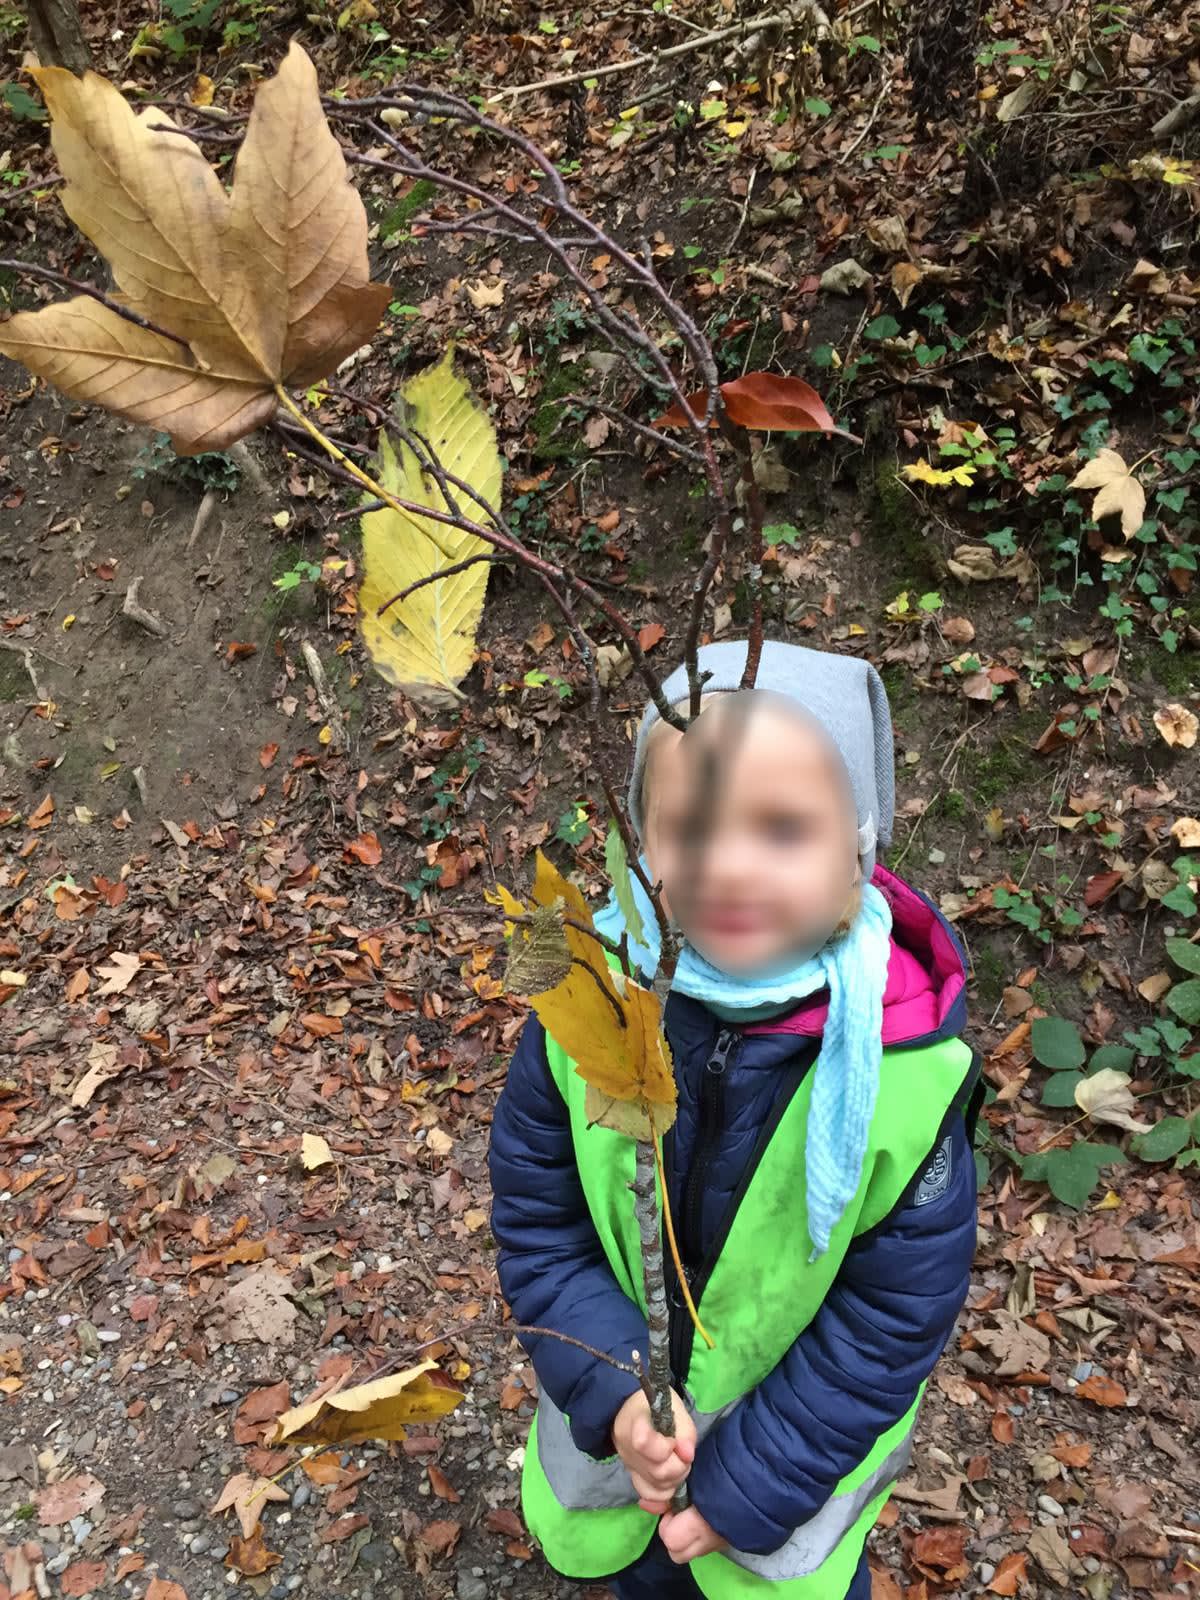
819 1169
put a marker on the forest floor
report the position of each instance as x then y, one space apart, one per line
228 920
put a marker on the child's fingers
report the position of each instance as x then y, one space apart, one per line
656 1508
654 1482
648 1442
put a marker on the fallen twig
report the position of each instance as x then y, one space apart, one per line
325 696
136 612
773 20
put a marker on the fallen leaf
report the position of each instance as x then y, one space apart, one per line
1053 1554
1177 725
1186 832
1106 1097
164 1589
1120 493
246 1496
314 1152
1102 1391
1011 1575
118 973
103 1063
69 1497
440 1537
257 1307
83 1577
381 1409
43 816
443 1488
250 1555
482 294
366 849
267 284
1018 1346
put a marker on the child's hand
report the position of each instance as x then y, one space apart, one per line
656 1464
687 1536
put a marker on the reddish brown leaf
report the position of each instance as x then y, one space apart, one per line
650 635
343 1528
42 816
249 1556
1072 1455
1100 886
1010 1574
264 1405
83 1577
164 1589
366 848
939 1547
324 1027
266 756
764 401
441 1485
609 521
502 1520
1003 1428
238 652
1102 1391
884 1586
440 1537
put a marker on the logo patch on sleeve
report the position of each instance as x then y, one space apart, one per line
936 1178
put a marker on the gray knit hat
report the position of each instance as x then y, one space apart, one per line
845 695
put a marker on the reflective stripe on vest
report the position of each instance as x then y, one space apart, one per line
581 1483
756 1295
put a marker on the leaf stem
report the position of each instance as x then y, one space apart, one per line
682 1276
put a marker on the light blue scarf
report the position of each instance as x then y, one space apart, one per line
854 969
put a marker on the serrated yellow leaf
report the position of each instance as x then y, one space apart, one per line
314 1152
326 735
735 130
427 642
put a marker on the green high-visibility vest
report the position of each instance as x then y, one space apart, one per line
761 1293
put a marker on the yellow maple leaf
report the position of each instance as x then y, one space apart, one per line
381 1409
939 477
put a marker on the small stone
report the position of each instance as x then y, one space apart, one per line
60 1563
80 1528
986 1572
301 1495
229 1397
183 1509
108 1335
294 1582
200 1543
1047 1503
471 1588
376 1552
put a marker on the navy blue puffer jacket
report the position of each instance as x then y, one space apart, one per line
854 1371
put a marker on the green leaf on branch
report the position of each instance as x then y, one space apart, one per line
616 863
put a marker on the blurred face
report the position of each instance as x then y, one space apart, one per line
750 823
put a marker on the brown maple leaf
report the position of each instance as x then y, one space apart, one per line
263 286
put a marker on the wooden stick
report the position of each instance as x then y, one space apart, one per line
136 612
325 697
774 19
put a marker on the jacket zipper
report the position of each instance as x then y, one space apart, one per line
712 1102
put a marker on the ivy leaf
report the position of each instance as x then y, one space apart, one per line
1059 1089
1184 954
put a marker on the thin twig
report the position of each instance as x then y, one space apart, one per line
79 287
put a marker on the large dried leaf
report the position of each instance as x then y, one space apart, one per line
426 644
269 285
381 1409
1107 1097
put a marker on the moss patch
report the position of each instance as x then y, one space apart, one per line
14 680
894 525
555 433
989 772
397 218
